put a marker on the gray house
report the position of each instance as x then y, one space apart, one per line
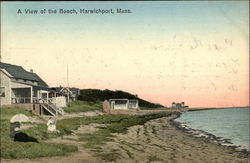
19 87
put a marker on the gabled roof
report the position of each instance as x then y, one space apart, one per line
19 73
73 91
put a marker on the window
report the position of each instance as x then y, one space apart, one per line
2 91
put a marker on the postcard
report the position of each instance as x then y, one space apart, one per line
124 81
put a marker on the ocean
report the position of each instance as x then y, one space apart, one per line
230 123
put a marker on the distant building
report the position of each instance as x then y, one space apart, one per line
70 93
120 106
179 105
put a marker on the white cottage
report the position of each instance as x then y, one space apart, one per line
123 104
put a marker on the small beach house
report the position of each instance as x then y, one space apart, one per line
120 106
123 104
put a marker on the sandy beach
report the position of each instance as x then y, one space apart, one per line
162 140
159 140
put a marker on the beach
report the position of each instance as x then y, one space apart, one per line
163 141
159 140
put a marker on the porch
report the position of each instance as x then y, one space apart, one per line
28 94
37 100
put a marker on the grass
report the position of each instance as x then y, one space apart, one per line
33 150
117 124
83 106
67 125
96 139
12 149
147 108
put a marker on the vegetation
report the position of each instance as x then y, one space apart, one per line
116 124
93 95
13 149
83 106
148 108
93 141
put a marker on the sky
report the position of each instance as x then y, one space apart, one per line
196 52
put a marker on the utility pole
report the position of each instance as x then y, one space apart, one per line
68 83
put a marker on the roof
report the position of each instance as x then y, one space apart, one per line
73 91
19 72
57 89
41 83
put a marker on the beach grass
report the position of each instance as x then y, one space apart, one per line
11 149
116 124
83 106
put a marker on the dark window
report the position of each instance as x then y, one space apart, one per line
2 91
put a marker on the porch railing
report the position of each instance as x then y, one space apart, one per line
52 107
21 100
46 103
34 100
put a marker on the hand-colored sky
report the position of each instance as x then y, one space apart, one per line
197 52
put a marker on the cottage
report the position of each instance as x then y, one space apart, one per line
70 93
21 88
123 104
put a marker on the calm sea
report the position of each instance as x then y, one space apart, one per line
230 124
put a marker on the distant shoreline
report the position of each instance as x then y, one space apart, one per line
198 109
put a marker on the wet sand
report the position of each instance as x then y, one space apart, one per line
160 140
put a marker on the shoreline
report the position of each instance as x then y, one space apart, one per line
206 108
221 141
188 147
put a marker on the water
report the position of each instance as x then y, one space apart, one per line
226 123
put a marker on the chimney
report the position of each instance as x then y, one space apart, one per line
31 70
